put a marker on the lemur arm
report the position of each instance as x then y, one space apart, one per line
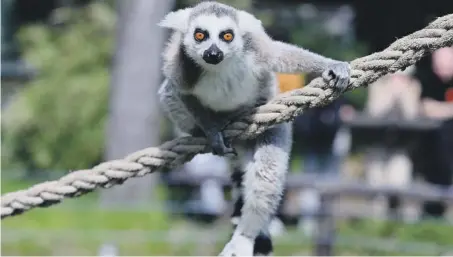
209 123
288 58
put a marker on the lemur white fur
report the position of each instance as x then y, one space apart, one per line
199 94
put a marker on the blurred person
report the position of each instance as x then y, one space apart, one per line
316 131
434 156
317 138
425 90
437 84
398 92
387 163
323 143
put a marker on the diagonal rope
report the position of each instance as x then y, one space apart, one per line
285 107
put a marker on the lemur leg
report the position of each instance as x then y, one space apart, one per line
263 242
264 179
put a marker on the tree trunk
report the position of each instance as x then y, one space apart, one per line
134 118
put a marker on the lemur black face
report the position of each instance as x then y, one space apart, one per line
227 35
200 35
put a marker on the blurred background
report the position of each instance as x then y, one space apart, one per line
371 173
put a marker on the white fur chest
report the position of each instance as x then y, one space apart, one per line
228 89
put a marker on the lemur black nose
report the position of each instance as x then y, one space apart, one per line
213 55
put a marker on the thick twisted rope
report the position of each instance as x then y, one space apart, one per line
285 107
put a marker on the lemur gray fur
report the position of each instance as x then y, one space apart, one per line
218 64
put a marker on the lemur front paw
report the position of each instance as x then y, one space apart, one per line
238 246
338 74
223 150
221 147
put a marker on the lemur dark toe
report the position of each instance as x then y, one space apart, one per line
230 151
332 74
222 150
263 245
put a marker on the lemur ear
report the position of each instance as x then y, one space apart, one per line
177 20
249 23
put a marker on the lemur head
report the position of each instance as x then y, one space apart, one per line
212 33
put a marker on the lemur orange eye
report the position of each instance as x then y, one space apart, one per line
228 36
199 36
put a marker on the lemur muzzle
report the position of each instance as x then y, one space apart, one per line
213 55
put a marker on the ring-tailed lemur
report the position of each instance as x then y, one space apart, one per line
219 63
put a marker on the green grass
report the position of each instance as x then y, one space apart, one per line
79 227
88 219
430 231
63 231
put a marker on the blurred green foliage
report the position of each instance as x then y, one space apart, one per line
57 121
